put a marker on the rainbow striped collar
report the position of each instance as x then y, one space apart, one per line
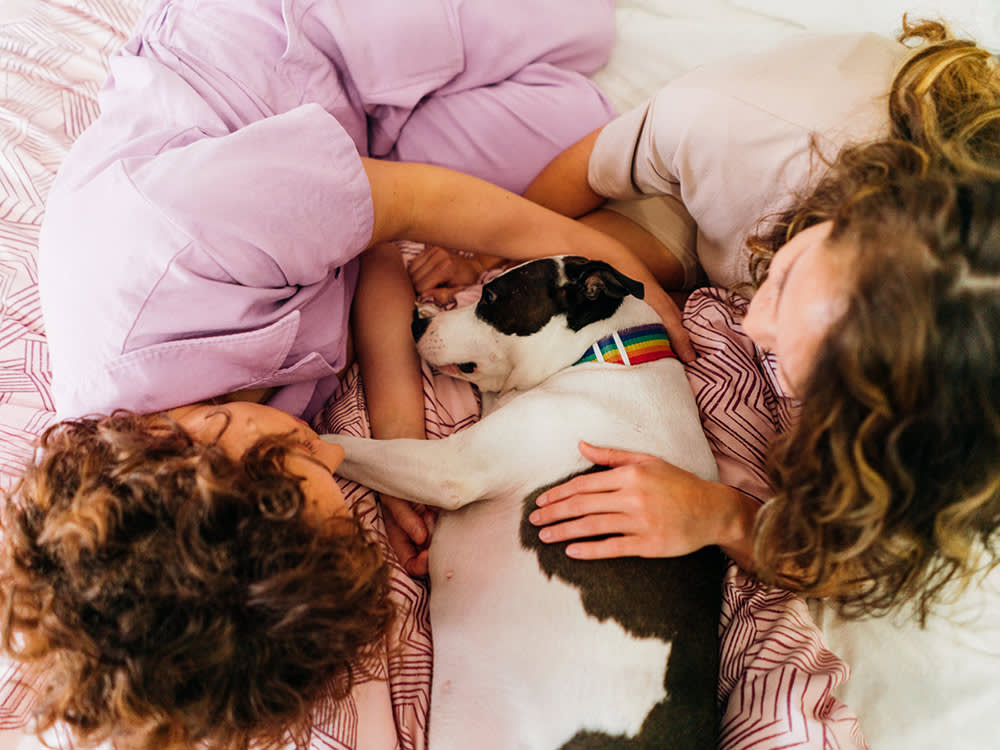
631 346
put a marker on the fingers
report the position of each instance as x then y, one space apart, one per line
603 549
639 507
600 524
586 506
601 481
407 518
413 559
442 295
417 565
433 267
620 535
408 529
610 456
680 340
437 267
429 516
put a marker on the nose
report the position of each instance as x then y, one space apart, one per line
419 325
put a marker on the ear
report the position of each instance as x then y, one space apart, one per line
596 279
594 291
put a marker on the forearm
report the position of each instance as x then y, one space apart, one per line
387 357
442 207
736 513
439 206
563 186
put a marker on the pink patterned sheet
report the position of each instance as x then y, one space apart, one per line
777 676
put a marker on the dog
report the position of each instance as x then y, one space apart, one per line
533 649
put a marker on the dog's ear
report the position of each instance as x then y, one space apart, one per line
596 279
594 291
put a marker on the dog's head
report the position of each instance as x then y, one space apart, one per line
530 322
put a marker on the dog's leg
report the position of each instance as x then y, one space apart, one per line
448 473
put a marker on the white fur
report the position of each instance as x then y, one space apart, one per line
499 624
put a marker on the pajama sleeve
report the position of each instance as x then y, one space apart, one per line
777 679
217 263
279 202
617 166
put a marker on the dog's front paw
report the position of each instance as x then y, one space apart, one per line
329 437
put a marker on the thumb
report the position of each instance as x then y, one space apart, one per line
406 518
683 347
610 456
442 295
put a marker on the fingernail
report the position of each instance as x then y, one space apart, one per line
572 551
542 500
545 535
535 517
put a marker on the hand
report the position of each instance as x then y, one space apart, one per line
670 312
650 508
435 267
408 527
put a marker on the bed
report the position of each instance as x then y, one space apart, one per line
778 680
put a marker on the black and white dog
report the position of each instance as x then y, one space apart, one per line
533 649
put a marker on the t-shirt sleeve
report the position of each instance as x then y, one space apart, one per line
279 202
642 152
615 160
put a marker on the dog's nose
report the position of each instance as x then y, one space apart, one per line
419 325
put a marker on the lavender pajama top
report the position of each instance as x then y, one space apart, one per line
201 237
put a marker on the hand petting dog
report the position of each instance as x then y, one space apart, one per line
642 506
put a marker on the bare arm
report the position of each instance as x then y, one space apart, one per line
439 206
380 319
390 370
562 186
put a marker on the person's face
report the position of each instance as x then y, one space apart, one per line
315 460
804 295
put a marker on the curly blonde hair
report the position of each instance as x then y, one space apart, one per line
175 597
887 488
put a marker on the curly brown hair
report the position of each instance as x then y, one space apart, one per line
888 486
944 115
173 596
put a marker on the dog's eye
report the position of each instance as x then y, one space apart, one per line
467 367
488 297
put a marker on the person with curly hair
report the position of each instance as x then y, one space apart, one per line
188 579
875 283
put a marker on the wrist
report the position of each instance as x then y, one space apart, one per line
736 513
484 263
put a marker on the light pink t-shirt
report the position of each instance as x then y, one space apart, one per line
731 140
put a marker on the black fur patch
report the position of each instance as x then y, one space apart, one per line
676 600
523 300
595 291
